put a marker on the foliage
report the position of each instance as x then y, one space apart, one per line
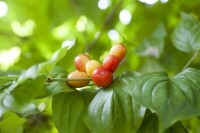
153 90
172 96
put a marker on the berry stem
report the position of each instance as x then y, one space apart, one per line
90 84
64 79
8 79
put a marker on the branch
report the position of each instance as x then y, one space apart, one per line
106 24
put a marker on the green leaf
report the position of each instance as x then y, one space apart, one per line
11 123
39 123
149 124
173 99
29 89
6 79
185 37
47 67
17 97
113 110
44 67
4 86
177 128
57 87
153 45
150 64
5 82
68 109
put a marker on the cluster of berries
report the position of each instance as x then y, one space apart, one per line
102 75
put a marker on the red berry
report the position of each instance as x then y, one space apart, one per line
102 77
111 63
78 74
80 62
118 50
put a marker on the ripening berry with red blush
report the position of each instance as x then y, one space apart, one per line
102 77
80 62
111 63
118 50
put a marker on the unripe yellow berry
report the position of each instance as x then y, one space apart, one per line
91 66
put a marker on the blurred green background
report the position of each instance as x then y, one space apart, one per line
32 30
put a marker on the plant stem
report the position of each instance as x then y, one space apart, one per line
65 79
8 79
90 84
54 79
190 61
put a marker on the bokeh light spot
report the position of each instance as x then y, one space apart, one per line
3 9
164 1
81 23
23 30
103 4
69 43
113 35
125 17
149 2
9 57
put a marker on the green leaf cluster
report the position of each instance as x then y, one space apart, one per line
154 91
18 95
